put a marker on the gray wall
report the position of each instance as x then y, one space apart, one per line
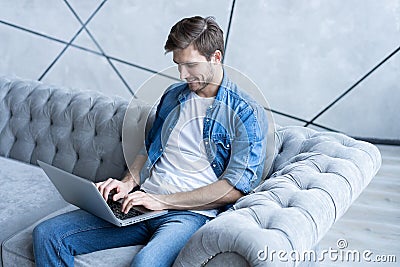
303 54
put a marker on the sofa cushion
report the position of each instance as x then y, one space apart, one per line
18 251
26 195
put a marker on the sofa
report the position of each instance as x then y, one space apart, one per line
314 178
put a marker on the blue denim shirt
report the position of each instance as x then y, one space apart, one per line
234 133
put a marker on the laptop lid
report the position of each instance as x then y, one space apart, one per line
85 195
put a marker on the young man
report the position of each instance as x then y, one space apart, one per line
205 150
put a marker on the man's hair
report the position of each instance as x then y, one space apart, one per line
204 33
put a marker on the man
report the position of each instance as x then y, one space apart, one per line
205 150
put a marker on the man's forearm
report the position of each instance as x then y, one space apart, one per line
211 196
133 176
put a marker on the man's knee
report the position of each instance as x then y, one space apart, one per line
44 233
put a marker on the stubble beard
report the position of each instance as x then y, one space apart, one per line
205 81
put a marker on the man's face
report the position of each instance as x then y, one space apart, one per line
194 68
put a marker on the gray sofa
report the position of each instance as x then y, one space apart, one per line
314 178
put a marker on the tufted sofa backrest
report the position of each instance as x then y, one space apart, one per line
333 163
315 178
294 143
79 132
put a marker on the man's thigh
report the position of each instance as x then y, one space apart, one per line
82 232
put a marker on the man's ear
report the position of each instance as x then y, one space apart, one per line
217 56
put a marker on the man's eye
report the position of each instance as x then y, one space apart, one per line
191 65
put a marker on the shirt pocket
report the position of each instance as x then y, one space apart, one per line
222 142
222 146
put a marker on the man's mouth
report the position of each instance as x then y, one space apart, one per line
191 80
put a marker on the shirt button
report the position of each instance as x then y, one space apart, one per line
170 129
206 142
214 165
227 145
160 149
207 119
210 107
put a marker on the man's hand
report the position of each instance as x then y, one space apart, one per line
121 188
140 198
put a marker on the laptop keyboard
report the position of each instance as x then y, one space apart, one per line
116 209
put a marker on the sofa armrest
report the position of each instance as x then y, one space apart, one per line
315 180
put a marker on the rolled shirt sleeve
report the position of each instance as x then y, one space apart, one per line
248 150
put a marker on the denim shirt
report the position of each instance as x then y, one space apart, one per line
234 133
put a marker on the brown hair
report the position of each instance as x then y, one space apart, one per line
203 33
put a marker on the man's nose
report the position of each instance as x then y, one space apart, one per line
184 74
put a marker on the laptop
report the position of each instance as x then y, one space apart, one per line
85 195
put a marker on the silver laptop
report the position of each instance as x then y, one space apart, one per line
85 195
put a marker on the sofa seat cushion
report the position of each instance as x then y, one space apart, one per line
18 250
26 195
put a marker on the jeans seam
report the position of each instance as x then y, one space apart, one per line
70 233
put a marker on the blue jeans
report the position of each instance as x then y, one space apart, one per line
57 240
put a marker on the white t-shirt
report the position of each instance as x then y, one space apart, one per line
184 166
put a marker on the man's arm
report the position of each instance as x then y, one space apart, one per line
211 196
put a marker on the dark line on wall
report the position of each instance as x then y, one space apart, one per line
300 119
352 87
49 37
69 43
33 32
101 50
378 141
144 68
54 61
229 28
372 140
88 50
